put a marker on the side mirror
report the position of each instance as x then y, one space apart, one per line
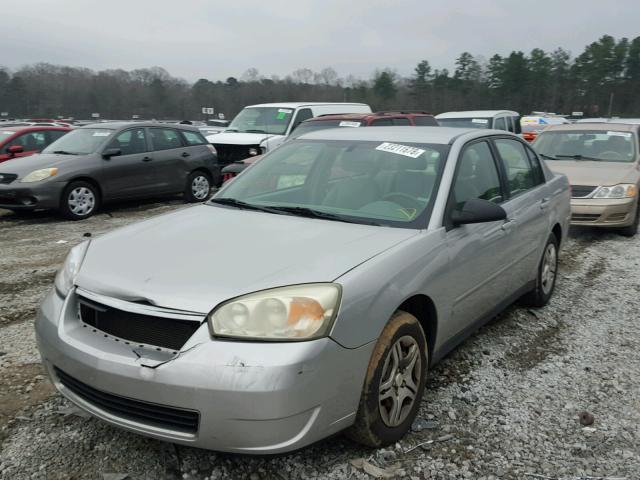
477 210
13 149
111 152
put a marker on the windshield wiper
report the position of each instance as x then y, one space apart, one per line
254 131
232 202
64 152
578 157
311 213
548 157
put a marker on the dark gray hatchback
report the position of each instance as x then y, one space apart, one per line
108 162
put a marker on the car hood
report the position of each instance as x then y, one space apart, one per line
24 165
237 138
199 257
583 172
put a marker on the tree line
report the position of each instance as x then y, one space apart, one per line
604 77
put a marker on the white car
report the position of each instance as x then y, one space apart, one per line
490 119
258 129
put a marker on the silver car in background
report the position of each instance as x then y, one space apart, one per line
368 254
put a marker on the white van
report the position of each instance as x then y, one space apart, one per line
495 119
260 128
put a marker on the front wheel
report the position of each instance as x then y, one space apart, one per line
631 230
394 383
198 187
79 200
547 273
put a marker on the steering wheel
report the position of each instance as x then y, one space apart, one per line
611 155
404 200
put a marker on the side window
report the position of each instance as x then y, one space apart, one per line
521 176
477 176
401 121
130 142
303 114
164 139
510 125
193 138
535 163
517 126
30 141
500 123
382 122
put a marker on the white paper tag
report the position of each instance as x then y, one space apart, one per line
412 152
619 134
284 110
348 124
101 134
483 121
8 133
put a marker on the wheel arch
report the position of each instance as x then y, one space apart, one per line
424 309
557 231
84 178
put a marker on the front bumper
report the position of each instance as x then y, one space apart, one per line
31 196
250 397
596 212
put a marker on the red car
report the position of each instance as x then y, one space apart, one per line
24 141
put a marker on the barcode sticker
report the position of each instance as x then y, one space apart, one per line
405 150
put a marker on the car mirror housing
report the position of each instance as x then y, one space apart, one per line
111 152
13 149
477 210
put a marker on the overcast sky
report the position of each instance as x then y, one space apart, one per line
216 39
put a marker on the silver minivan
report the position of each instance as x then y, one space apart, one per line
368 254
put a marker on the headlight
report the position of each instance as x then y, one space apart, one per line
253 152
300 312
67 274
624 190
38 175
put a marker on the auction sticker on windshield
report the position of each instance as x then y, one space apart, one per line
479 120
101 134
405 150
619 134
349 124
283 112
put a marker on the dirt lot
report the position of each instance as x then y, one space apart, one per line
504 405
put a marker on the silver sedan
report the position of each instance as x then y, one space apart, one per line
364 256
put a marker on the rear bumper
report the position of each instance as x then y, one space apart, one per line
25 196
248 397
595 212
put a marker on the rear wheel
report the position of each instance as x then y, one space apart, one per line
547 273
394 384
632 229
79 200
198 187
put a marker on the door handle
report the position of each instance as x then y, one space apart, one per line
146 159
185 154
507 225
544 203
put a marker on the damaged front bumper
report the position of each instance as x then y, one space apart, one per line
245 397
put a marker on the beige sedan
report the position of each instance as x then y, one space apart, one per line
601 161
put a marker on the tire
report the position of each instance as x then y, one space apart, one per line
547 275
631 230
79 200
198 187
376 425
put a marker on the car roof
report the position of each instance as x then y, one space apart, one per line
304 104
624 127
476 113
438 135
33 128
122 125
362 116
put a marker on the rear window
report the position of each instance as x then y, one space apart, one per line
193 138
306 127
475 122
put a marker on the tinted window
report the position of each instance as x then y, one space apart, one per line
30 141
164 139
130 142
382 122
303 114
401 121
55 135
500 123
425 121
193 138
521 175
477 176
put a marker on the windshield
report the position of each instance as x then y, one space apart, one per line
80 142
269 120
306 127
5 134
598 145
362 182
465 122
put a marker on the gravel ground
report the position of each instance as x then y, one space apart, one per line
506 404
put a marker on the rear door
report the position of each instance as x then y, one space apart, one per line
479 253
170 157
131 173
526 206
